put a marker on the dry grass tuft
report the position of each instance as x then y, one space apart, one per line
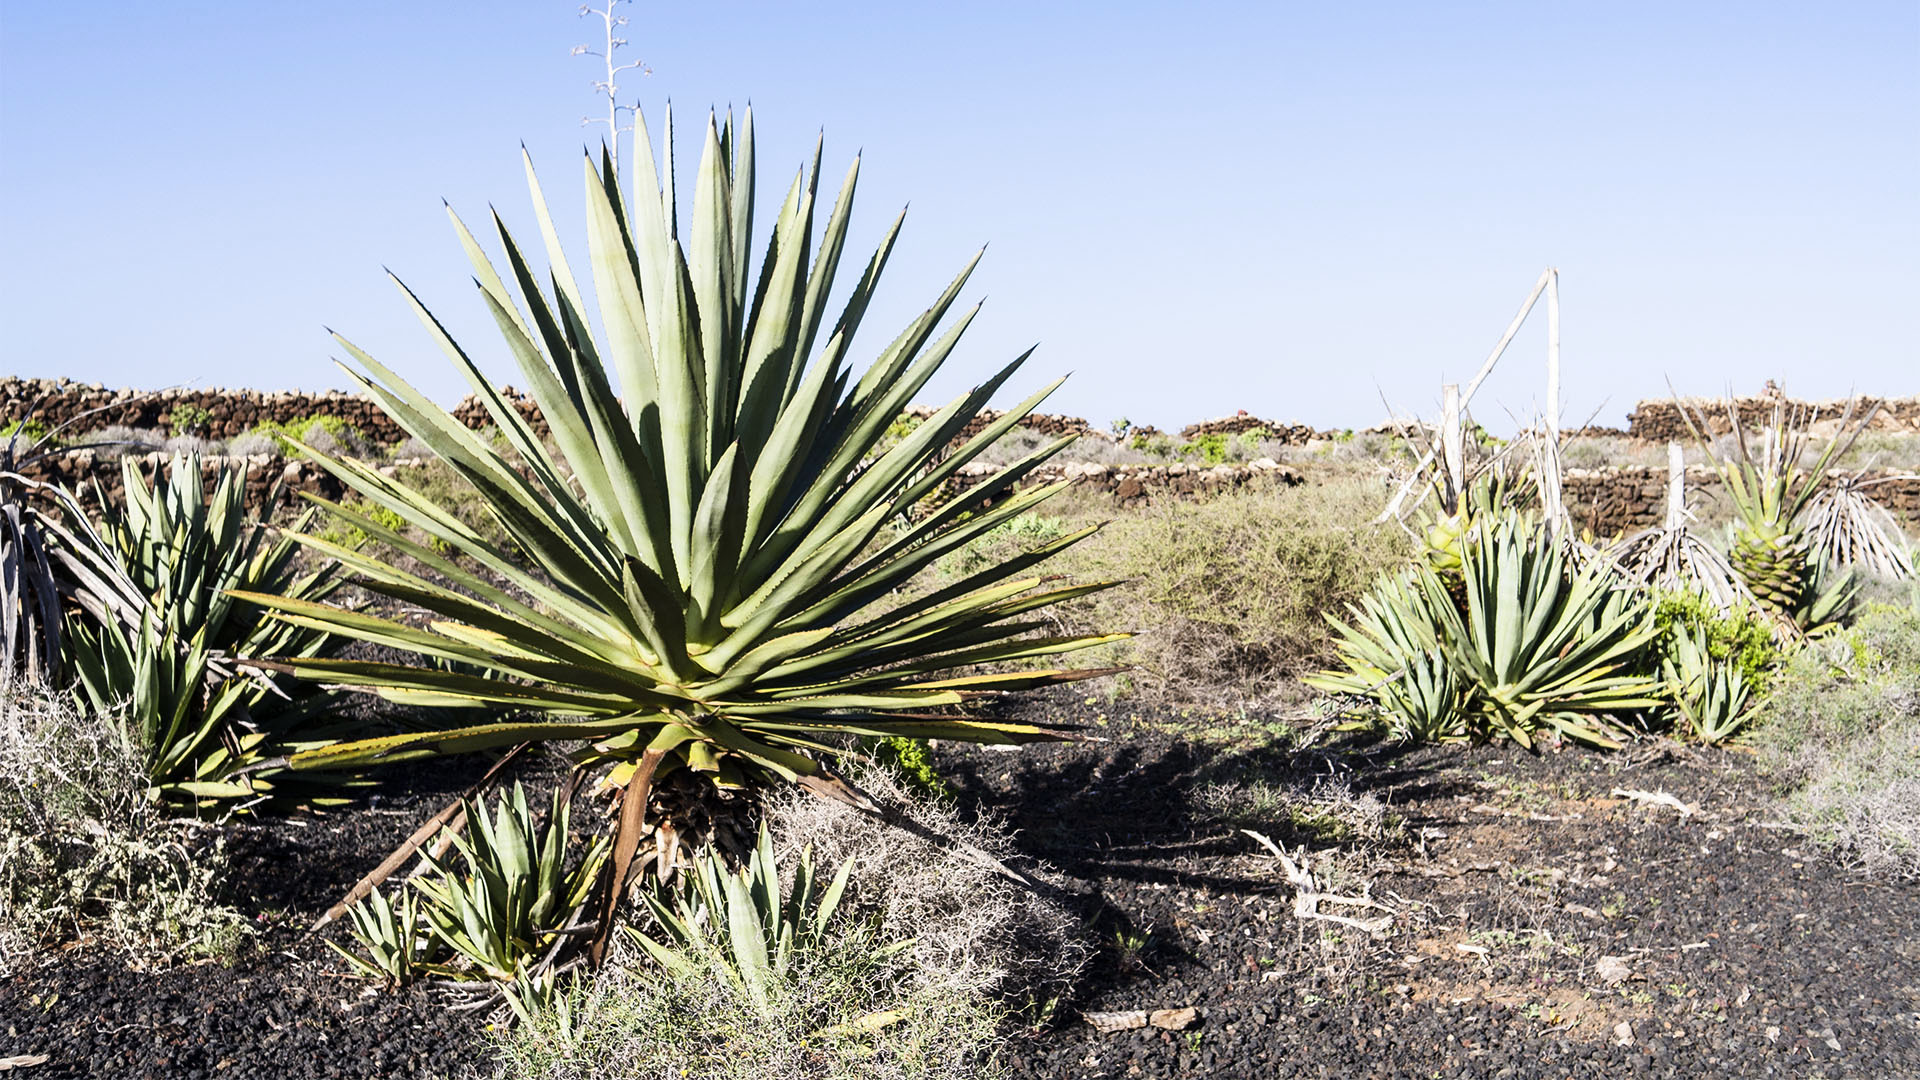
982 951
975 932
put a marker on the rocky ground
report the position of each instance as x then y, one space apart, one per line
1572 914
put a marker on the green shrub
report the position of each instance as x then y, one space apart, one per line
912 761
1743 637
1717 664
1841 733
329 434
346 534
1158 446
1219 448
27 431
189 420
84 853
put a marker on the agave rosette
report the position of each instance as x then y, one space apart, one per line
1546 644
700 569
1523 640
156 628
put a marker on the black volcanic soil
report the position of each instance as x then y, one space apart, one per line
1542 926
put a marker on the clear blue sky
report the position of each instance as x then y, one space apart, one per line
1281 207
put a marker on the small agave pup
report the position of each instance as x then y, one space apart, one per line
697 575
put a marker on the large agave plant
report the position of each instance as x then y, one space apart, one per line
1547 644
702 566
1533 642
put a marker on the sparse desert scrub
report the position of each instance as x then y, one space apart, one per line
1841 733
1226 597
84 850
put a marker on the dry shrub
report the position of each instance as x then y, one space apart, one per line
1228 597
975 932
84 852
982 948
1841 732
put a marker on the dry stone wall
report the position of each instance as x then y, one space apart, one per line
1046 424
217 413
90 474
1608 501
1290 434
1662 421
1627 498
227 413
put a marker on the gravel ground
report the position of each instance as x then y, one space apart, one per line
282 1008
1542 926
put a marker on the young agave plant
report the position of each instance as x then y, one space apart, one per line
743 918
517 891
157 630
34 567
700 568
1393 658
1711 698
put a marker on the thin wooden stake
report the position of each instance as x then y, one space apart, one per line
1552 497
1676 486
1553 355
1453 444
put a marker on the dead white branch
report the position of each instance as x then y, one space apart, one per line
1466 397
1307 896
1657 798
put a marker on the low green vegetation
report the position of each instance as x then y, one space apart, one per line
189 420
329 434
